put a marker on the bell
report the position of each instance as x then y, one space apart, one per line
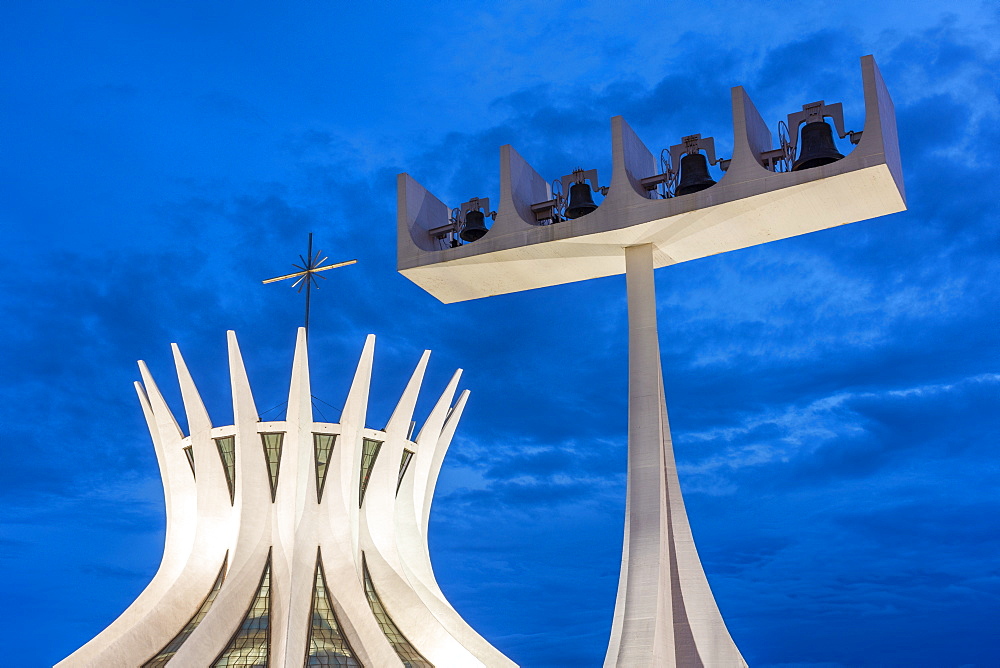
817 146
694 174
581 202
475 226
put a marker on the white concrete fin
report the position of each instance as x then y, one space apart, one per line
350 603
243 404
435 421
210 478
520 187
147 411
418 212
119 638
167 456
346 458
216 630
421 628
440 450
632 160
356 404
880 120
155 432
166 423
751 137
399 422
194 407
300 392
451 424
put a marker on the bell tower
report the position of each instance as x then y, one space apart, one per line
659 213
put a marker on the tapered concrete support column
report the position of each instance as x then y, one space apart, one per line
665 614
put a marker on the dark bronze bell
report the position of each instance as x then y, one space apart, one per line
817 146
694 174
475 226
581 202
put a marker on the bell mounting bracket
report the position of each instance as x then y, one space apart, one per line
815 112
693 144
457 217
670 160
581 176
475 204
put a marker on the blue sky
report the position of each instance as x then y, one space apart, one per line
833 397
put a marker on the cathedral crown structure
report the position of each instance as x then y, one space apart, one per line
295 542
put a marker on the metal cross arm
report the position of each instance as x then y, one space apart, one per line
306 276
309 271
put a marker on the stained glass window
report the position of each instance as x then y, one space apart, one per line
189 453
404 463
168 652
272 452
368 455
323 446
408 654
327 645
250 646
227 451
